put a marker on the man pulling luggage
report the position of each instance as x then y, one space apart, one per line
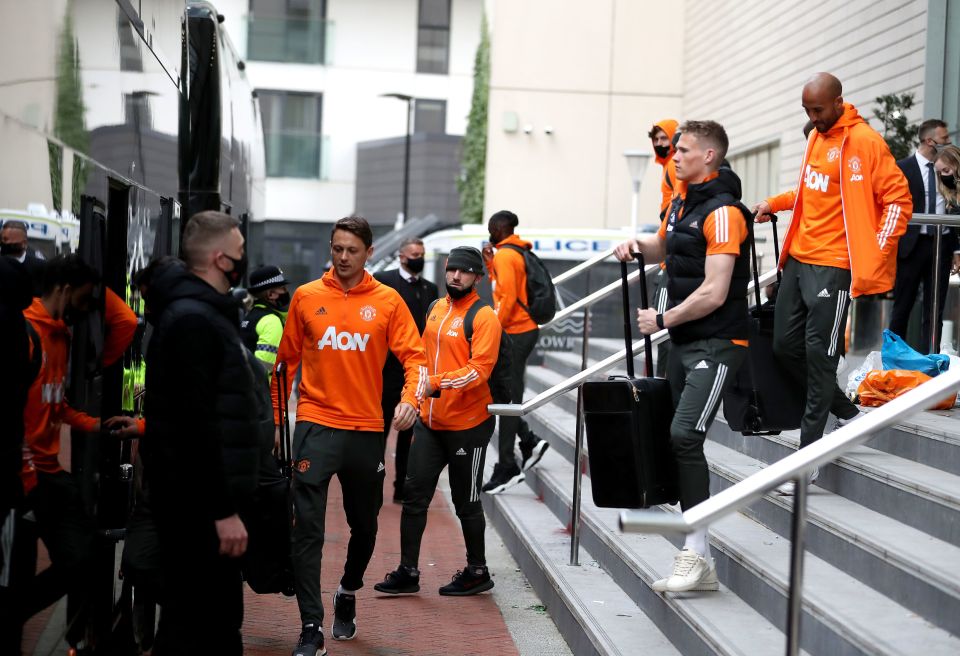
703 241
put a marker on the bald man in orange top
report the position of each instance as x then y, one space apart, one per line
850 207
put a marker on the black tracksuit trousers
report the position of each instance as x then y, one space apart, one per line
464 453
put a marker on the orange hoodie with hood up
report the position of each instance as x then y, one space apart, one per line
457 368
669 177
874 204
47 408
508 272
342 339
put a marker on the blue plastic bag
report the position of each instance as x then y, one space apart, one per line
896 354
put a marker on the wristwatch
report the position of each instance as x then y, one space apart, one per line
660 322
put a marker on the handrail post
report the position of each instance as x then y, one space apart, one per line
578 450
797 550
935 289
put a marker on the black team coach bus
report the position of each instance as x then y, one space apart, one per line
118 120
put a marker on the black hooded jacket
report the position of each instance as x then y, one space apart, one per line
15 296
201 443
687 256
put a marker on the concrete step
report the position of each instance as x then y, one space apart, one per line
592 613
696 623
918 495
930 438
901 562
841 615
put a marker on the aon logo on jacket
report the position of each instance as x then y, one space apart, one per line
342 341
816 181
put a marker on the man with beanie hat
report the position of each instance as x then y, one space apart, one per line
418 293
462 342
262 328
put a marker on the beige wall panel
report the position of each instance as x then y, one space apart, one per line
647 49
551 44
548 180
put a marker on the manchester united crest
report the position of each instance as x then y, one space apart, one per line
456 323
854 164
833 154
368 313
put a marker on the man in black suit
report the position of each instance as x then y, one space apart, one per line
915 253
13 243
418 294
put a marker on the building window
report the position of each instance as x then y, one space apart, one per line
430 116
291 133
433 36
291 31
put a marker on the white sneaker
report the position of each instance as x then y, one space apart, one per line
787 489
691 572
840 423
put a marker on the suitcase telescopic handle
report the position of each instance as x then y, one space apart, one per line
753 259
776 243
627 330
644 304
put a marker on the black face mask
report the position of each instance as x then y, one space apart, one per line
661 151
282 302
949 181
415 265
239 269
13 250
457 294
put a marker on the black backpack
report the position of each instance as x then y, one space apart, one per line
499 381
541 294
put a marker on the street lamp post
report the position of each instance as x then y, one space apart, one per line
410 100
637 162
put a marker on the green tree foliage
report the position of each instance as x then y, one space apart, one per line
897 131
473 158
68 123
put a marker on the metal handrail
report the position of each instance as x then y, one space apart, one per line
824 450
598 295
541 399
936 220
583 266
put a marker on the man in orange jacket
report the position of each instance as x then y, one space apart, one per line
508 273
850 207
341 328
52 494
462 340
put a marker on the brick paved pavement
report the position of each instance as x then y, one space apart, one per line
424 624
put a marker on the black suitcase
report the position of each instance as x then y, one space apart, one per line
627 422
267 564
763 399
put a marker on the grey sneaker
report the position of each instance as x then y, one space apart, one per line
787 489
344 616
311 641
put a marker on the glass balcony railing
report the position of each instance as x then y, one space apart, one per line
293 154
288 40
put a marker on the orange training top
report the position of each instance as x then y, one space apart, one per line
852 199
457 370
725 229
509 276
342 338
47 409
121 323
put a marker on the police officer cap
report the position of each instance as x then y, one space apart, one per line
465 258
265 278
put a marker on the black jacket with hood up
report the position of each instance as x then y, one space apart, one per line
201 443
15 296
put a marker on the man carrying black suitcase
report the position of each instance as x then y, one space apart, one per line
703 241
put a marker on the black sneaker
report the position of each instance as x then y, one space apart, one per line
533 452
344 616
400 581
311 641
503 476
468 581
